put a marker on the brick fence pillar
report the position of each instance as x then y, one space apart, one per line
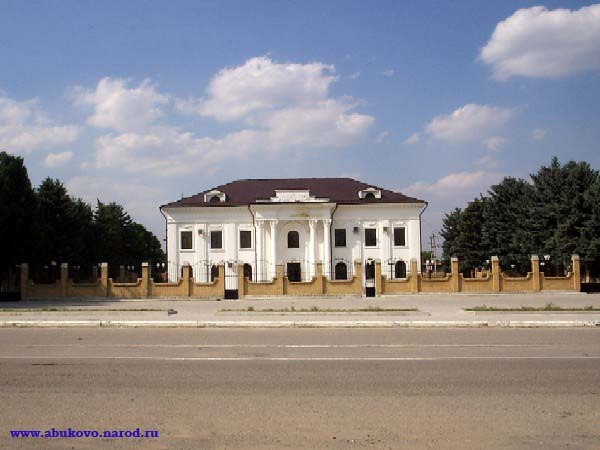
496 274
145 280
535 273
279 279
377 277
187 279
64 279
241 281
576 273
414 276
455 281
104 279
24 280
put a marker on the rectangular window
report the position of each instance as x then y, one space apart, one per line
186 240
340 237
216 239
245 239
400 237
370 237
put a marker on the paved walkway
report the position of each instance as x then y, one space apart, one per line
425 310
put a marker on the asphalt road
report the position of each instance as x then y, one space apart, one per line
294 388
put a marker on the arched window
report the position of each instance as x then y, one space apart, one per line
400 269
214 272
215 199
293 239
248 271
370 196
341 271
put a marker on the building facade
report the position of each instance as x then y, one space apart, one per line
299 223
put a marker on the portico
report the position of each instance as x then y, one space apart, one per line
293 232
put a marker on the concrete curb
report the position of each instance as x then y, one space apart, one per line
295 324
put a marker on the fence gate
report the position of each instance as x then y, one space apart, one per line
231 280
369 278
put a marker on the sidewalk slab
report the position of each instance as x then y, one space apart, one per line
297 324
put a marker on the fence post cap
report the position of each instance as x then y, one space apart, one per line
145 264
64 265
575 257
454 259
535 258
104 264
494 258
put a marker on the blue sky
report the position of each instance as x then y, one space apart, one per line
140 102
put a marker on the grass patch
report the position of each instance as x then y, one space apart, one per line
314 309
549 307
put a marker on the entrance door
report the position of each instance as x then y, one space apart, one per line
294 271
231 281
370 278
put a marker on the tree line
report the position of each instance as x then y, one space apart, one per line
48 226
556 214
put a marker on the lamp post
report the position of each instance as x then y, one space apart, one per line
546 264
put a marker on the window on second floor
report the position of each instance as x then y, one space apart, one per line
340 237
400 237
216 239
370 237
293 239
245 239
186 240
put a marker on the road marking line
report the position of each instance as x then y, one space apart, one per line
288 345
249 358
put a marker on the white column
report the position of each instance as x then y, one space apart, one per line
273 259
327 247
312 225
259 250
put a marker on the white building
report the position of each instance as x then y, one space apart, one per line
295 223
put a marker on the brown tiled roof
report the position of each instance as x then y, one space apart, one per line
337 190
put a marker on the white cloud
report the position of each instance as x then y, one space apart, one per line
354 76
274 106
449 192
167 151
381 137
261 85
120 107
57 159
469 123
25 127
538 134
458 187
495 143
413 138
537 42
388 72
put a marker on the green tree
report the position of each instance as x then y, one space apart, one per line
506 221
65 225
18 208
120 240
463 237
562 209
